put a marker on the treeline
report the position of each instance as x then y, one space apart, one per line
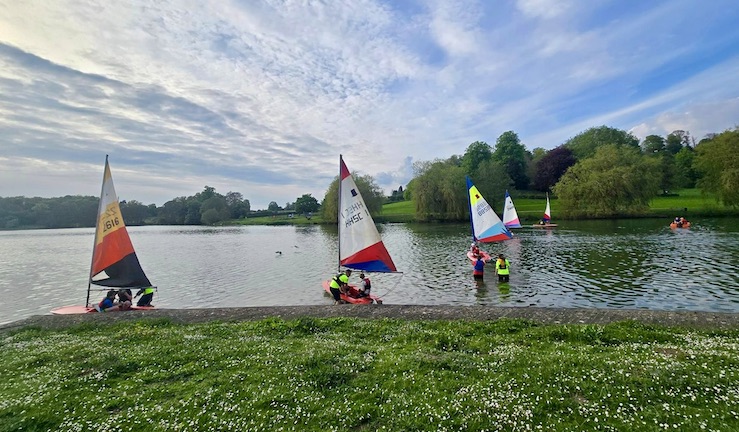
602 172
207 207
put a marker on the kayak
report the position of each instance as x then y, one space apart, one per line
485 256
353 295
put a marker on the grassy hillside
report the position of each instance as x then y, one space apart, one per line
685 202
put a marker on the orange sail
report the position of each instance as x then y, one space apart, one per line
114 261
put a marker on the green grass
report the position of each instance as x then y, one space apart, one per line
348 374
530 210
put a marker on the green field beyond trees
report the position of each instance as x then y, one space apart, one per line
350 374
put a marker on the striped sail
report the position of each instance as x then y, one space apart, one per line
547 212
510 216
360 245
114 261
486 225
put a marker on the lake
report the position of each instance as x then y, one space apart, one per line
636 263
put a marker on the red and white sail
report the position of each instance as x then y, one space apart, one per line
360 245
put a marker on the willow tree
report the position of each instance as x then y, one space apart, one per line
717 160
440 191
616 180
372 194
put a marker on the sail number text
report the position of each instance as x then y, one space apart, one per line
111 223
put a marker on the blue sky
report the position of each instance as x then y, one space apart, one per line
261 97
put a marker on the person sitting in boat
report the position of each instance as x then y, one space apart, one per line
108 304
146 298
364 286
475 250
125 299
339 285
502 268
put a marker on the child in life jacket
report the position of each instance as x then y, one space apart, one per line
364 286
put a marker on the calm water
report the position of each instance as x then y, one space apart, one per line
586 264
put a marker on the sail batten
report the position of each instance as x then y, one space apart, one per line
360 244
486 225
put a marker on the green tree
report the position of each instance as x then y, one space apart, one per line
476 153
134 212
238 207
216 209
512 155
676 141
492 180
653 144
306 204
439 191
586 143
273 206
616 181
372 194
686 173
717 160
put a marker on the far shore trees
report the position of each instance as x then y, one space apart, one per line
717 160
616 181
372 194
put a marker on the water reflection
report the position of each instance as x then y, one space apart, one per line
591 264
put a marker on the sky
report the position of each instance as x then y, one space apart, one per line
262 96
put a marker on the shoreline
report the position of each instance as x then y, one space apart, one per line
693 319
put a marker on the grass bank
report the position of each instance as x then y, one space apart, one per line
348 374
686 202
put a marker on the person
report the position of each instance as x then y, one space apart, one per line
146 298
125 299
339 284
364 286
478 270
475 250
108 303
502 268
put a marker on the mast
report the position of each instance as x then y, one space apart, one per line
338 213
97 228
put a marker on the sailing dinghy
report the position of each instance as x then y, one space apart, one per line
545 220
114 263
510 216
486 225
360 245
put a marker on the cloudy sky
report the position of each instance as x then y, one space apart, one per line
261 96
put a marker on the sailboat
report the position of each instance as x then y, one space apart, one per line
486 225
114 261
510 216
360 245
545 220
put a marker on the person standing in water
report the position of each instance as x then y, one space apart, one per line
502 268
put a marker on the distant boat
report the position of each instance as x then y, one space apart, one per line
114 261
486 225
510 216
545 220
360 245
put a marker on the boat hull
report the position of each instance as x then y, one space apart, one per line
351 297
79 309
473 259
685 226
544 225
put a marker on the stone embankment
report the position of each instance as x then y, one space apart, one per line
407 312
